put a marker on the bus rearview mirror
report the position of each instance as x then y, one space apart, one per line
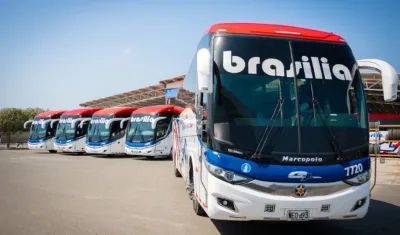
204 65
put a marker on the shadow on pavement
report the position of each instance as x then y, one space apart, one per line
382 218
140 158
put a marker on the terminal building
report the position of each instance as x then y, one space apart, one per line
158 94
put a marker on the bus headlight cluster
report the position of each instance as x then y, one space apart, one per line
227 176
359 179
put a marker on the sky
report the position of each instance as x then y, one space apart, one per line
58 54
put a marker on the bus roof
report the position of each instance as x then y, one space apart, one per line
81 111
116 111
275 30
51 114
158 109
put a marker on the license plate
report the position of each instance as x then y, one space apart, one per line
298 215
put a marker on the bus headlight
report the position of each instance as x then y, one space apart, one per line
227 176
359 179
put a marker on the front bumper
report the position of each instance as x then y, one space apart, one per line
38 146
67 148
146 151
250 204
97 149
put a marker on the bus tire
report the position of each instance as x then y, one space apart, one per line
198 209
52 151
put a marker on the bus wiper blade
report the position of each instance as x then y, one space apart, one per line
261 143
332 139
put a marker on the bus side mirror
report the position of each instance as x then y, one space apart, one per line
204 65
154 122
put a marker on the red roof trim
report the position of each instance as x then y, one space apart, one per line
275 30
158 109
51 114
127 111
81 111
384 116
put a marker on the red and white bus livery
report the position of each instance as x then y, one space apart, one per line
72 130
149 131
43 129
106 131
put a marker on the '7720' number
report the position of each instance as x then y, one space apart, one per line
354 169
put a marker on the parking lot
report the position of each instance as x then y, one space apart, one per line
42 193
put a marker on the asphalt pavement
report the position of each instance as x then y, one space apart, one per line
43 193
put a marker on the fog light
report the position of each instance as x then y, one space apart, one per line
229 204
359 204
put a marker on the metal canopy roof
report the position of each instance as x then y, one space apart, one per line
155 95
151 95
373 90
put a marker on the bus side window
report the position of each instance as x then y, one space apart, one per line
116 131
85 128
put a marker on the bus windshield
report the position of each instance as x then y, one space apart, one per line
97 131
139 128
67 132
37 131
255 89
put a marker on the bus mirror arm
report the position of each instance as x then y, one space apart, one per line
53 121
83 121
108 123
74 121
390 79
45 122
204 65
154 122
121 125
27 122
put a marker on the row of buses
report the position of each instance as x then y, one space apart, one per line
142 131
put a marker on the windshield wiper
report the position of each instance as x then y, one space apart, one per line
261 143
332 137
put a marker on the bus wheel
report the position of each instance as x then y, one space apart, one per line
52 151
196 205
197 208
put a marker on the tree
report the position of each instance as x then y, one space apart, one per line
30 113
12 120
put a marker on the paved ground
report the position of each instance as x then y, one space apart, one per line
43 193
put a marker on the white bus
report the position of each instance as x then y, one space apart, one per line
285 135
106 131
149 131
70 134
42 131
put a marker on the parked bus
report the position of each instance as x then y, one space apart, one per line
388 135
149 131
106 131
42 132
282 138
72 129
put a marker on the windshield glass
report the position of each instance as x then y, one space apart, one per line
254 89
139 128
97 131
65 131
37 131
